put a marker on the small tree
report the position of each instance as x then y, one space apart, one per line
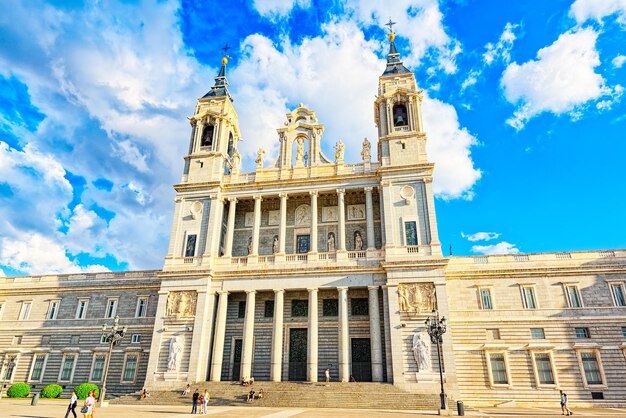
82 390
18 390
51 391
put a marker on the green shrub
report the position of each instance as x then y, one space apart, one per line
51 391
18 390
82 390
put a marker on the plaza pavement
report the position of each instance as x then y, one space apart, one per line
10 408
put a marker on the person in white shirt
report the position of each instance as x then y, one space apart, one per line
72 406
90 403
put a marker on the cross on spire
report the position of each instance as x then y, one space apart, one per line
225 49
390 24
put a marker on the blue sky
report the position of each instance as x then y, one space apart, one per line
523 110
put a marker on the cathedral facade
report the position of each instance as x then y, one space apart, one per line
310 264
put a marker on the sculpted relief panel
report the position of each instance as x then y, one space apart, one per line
416 297
181 304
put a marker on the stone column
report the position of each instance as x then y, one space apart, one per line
283 223
395 335
218 342
157 344
344 339
375 335
277 336
201 335
311 374
248 336
342 219
313 222
369 216
381 208
199 129
230 228
435 245
410 115
257 225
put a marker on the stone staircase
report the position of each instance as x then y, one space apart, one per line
299 395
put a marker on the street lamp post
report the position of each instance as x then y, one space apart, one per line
114 337
436 328
7 364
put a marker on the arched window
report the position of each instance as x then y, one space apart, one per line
400 116
231 146
207 136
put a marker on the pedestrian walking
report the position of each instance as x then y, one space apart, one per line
206 399
564 404
194 402
327 374
90 404
72 406
201 402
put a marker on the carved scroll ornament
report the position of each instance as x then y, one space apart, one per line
416 297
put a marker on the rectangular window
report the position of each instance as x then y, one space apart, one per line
142 307
97 370
10 367
53 309
359 306
38 363
190 248
67 368
537 333
111 308
582 333
269 309
299 307
241 311
81 309
573 295
624 332
529 297
493 334
330 307
618 294
103 339
25 311
410 232
498 369
130 368
544 369
135 339
592 369
485 298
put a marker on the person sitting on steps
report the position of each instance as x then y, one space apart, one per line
260 394
251 396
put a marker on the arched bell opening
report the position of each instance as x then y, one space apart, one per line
400 115
207 136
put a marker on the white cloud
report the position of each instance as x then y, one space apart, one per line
499 248
38 254
471 79
502 49
561 80
278 9
420 21
481 236
618 61
583 10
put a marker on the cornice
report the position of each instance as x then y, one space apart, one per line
534 272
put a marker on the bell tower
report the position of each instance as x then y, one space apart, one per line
214 134
398 113
405 172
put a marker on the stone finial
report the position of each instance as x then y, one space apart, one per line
260 156
339 151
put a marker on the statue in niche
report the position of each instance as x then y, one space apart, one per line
275 245
417 297
236 162
358 241
366 151
421 351
181 304
249 245
339 150
175 353
331 242
260 155
299 150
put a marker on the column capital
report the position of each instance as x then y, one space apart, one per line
199 122
258 197
341 191
283 195
250 291
314 193
372 287
279 290
428 179
342 288
232 199
223 292
368 189
312 289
